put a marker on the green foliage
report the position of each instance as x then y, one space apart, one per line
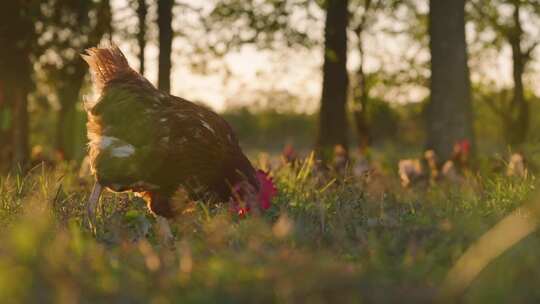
266 24
325 240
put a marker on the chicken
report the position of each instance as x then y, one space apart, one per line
289 157
419 171
361 167
517 166
431 159
40 157
341 160
461 154
454 169
152 143
410 172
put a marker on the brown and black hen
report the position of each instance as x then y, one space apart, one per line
153 143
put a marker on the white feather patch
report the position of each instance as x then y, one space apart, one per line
123 151
107 141
115 146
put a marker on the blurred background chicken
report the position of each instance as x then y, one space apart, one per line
454 169
429 170
410 172
289 156
361 167
153 143
419 171
517 165
341 160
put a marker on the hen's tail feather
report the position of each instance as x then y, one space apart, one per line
106 64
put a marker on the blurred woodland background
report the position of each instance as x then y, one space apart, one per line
391 74
376 82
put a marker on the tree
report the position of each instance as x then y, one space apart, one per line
449 111
360 23
17 37
489 16
5 126
69 27
273 25
266 24
142 11
333 126
269 25
165 11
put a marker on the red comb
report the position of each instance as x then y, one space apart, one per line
289 151
465 145
267 191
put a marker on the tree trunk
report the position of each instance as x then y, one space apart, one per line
361 100
333 126
449 112
165 8
516 132
20 89
6 127
142 11
17 40
20 154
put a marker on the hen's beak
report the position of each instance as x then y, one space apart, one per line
93 202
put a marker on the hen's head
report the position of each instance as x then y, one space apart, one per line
462 150
465 146
108 65
288 155
245 195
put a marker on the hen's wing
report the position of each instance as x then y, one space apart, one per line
174 143
199 146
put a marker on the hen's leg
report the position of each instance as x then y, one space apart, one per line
92 203
160 205
164 231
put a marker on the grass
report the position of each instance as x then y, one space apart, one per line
325 240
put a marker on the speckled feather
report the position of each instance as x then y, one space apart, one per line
144 140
